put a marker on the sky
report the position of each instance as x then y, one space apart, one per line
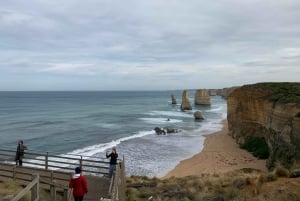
147 45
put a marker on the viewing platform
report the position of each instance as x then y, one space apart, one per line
56 170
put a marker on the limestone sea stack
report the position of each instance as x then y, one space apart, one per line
268 111
202 97
174 102
185 102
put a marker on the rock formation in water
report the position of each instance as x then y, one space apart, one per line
198 115
174 102
270 111
185 101
202 97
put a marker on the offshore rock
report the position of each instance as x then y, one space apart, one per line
271 111
202 97
174 102
159 131
198 115
185 104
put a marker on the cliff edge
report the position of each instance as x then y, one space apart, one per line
270 111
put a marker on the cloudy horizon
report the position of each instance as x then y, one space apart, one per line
147 45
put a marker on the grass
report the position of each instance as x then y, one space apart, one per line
246 184
188 188
12 188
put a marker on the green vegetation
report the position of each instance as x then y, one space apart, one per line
257 146
12 188
271 177
282 92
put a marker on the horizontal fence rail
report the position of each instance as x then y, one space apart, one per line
63 162
55 171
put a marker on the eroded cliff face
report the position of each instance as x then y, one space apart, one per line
269 110
185 104
202 97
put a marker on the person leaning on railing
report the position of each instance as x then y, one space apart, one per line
113 161
20 153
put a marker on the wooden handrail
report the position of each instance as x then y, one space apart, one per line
66 162
32 186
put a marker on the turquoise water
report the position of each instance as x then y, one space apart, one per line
89 123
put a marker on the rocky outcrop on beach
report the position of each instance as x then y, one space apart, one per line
270 111
185 104
202 97
173 98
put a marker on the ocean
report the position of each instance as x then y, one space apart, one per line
89 123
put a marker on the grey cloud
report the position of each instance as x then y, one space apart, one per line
130 39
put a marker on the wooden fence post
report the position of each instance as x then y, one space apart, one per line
46 161
80 162
36 188
14 173
52 187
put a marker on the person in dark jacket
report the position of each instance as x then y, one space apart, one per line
113 161
79 185
20 153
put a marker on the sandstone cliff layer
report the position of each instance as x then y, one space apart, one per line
271 111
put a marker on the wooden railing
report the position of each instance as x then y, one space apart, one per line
56 170
117 185
32 186
54 181
62 162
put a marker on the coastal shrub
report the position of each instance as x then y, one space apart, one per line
281 172
257 146
271 177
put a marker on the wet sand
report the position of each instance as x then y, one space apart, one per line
220 154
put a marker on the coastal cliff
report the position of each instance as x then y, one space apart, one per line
270 111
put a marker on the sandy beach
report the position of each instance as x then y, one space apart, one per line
220 154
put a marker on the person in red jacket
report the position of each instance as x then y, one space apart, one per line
79 185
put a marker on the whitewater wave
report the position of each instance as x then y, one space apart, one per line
177 113
217 109
100 148
160 120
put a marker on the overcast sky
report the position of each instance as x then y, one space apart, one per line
147 45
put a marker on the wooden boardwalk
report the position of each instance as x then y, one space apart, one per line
55 172
98 186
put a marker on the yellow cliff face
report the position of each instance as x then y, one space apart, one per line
253 111
202 97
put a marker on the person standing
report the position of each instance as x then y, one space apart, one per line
20 153
113 161
79 185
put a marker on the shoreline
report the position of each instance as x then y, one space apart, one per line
220 154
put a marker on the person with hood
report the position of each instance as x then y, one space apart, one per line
20 153
79 185
113 161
